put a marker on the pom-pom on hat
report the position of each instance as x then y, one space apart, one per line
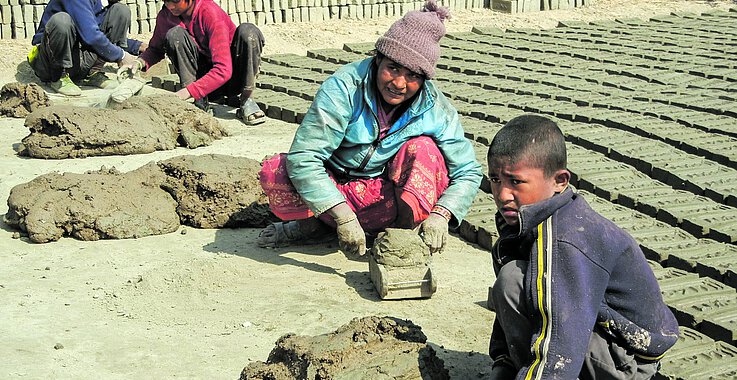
414 40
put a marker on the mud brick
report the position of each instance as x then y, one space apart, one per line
672 280
718 223
144 26
611 187
481 214
633 154
289 114
682 287
633 222
716 313
305 91
673 247
689 342
672 210
720 265
274 111
590 181
300 14
721 186
170 82
157 81
658 240
691 297
696 356
27 11
476 221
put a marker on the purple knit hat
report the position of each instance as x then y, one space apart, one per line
413 40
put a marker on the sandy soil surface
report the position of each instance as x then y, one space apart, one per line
203 303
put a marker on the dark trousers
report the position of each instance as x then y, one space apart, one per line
605 359
61 48
248 42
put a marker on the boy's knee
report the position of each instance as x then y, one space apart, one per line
120 12
61 21
175 34
509 284
249 32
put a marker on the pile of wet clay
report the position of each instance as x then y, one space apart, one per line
366 348
214 191
398 247
19 100
200 191
142 124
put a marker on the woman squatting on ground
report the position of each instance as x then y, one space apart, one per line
379 147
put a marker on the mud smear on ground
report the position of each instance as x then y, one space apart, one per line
214 191
366 348
138 125
209 191
19 100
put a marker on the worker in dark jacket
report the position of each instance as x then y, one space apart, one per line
75 38
574 296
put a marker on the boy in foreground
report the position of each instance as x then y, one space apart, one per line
574 295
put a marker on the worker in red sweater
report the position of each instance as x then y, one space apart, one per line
213 58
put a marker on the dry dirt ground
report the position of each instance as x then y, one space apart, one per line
202 303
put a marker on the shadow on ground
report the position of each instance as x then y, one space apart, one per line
24 74
464 364
242 242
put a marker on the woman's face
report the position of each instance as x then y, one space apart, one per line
396 83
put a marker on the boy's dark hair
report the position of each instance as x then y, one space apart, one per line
532 137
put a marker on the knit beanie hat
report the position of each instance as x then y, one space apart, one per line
413 40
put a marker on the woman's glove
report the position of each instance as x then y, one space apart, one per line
434 231
351 238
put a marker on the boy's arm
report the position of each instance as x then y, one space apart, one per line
567 290
219 47
155 52
84 19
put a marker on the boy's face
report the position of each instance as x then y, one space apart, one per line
179 7
516 184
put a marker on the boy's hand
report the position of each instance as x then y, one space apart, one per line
128 60
130 70
434 232
502 372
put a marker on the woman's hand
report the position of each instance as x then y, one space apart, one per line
351 238
434 232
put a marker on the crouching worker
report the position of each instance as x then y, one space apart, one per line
574 295
212 57
379 147
74 40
